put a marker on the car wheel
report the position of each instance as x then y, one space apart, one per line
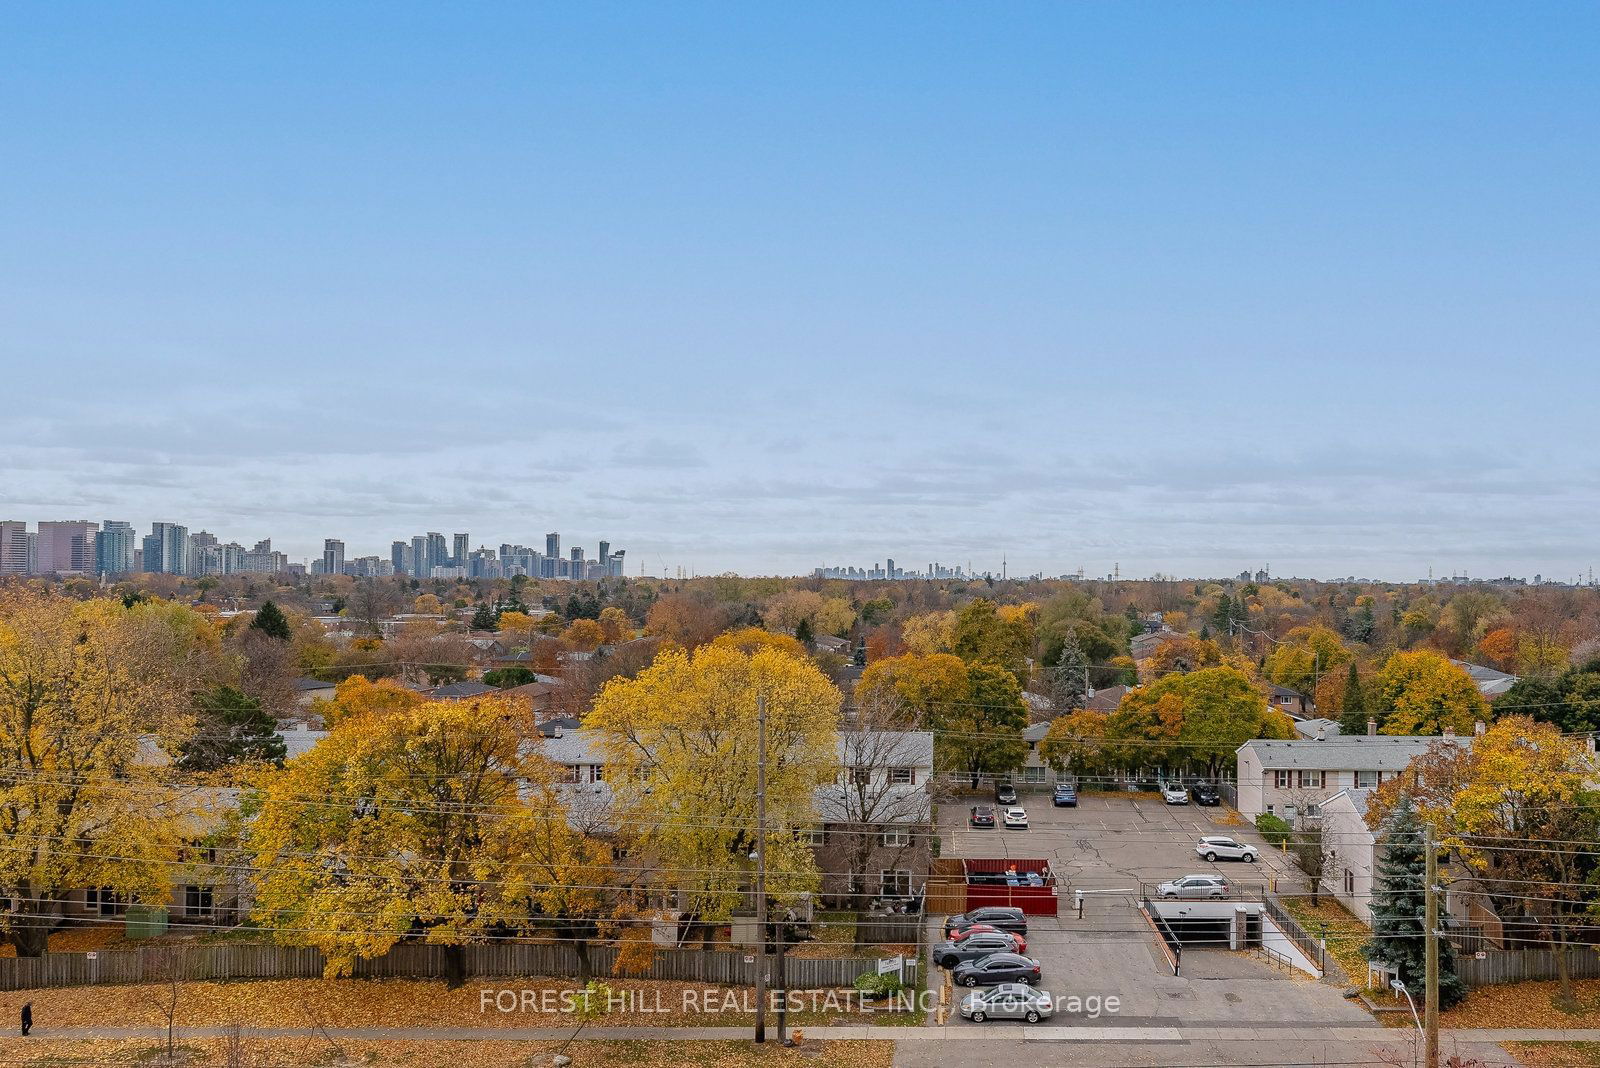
1025 980
1249 858
1211 858
948 962
971 980
1032 1017
979 1017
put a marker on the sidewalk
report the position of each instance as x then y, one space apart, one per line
1220 1031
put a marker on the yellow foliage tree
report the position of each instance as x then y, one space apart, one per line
615 626
584 634
413 820
1423 693
931 632
680 741
359 696
749 639
81 683
1308 655
928 684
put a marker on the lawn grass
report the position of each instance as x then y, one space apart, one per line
1345 934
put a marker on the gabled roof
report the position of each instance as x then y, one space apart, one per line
1348 752
465 688
1108 699
1490 683
308 685
1308 728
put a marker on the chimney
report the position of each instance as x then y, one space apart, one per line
560 731
1322 732
1479 727
1372 728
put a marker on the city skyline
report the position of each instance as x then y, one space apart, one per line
1077 285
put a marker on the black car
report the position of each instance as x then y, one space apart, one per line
982 816
1205 793
1005 917
1066 795
996 968
1005 793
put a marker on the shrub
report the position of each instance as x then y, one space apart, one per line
873 985
1275 830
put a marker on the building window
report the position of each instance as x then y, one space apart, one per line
895 839
861 776
902 776
1033 775
1312 779
197 901
1349 883
816 836
597 772
895 883
105 901
1282 779
1366 780
1269 810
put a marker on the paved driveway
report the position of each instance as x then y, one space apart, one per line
1116 843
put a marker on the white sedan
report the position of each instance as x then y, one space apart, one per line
1016 816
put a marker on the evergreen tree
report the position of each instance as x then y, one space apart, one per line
485 618
804 634
1397 908
1069 677
271 622
1353 715
231 729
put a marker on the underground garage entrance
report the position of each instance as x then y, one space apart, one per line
1224 925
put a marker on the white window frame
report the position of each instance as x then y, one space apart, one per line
894 882
816 836
1282 779
894 838
902 776
1367 780
204 895
1349 882
1307 782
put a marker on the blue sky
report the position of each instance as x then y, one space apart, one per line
1187 288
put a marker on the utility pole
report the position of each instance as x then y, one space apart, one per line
1430 942
761 869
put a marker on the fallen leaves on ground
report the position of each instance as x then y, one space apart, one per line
1526 1005
480 1054
79 940
337 1003
1555 1054
1345 934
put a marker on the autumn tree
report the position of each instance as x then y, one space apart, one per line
358 696
1184 653
371 602
1423 693
680 742
929 633
1398 907
749 639
400 824
825 615
584 635
984 633
81 682
686 619
615 626
1308 653
1196 719
928 684
865 797
981 734
1076 742
1068 677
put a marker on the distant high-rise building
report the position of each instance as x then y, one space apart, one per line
419 557
114 546
605 558
166 549
460 549
438 552
14 555
65 547
332 556
552 545
204 556
398 551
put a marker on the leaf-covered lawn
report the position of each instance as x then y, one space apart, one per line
1526 1005
481 1054
1345 934
1556 1054
407 1003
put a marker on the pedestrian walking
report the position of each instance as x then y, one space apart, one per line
27 1018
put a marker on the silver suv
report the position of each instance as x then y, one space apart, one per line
1194 887
1221 847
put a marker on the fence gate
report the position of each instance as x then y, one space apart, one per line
947 887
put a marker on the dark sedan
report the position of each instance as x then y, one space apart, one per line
997 968
1005 917
1205 793
982 816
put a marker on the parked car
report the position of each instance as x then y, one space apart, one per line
1195 887
964 933
949 953
1008 1001
1005 793
1221 847
1066 795
1017 816
1173 793
1205 793
982 816
996 968
1005 917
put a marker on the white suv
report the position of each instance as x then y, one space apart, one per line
1218 847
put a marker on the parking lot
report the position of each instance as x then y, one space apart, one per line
1116 843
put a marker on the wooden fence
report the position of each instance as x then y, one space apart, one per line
505 961
1517 965
879 929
